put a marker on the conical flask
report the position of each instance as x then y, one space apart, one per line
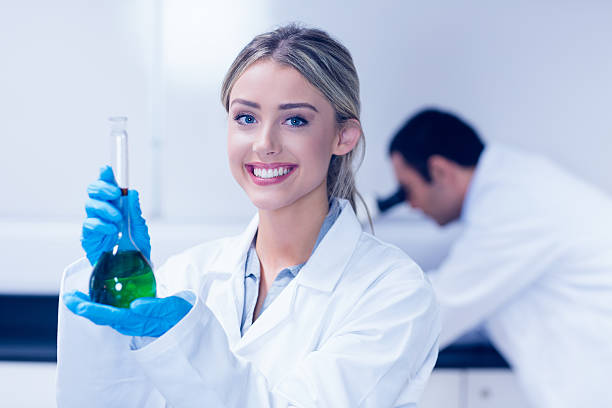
123 273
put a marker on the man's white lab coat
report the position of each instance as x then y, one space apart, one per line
534 264
358 327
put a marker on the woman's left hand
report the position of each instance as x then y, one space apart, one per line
146 316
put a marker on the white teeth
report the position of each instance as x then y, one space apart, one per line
270 173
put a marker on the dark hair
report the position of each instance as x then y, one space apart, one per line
431 132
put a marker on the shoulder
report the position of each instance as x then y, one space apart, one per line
381 280
380 264
504 187
385 254
510 184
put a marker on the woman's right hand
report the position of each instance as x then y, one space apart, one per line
101 227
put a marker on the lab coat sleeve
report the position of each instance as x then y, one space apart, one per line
383 351
94 367
496 257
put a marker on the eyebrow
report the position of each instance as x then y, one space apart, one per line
247 103
284 106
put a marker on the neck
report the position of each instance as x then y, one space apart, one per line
286 236
465 177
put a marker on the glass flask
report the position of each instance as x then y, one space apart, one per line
123 273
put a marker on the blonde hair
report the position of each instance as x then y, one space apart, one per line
329 67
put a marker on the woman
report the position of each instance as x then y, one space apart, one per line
303 308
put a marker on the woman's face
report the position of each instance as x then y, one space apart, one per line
282 133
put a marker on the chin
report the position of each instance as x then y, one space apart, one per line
445 221
269 202
281 196
265 206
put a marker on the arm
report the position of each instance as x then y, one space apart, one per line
385 348
94 367
491 263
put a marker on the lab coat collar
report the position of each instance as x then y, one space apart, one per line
482 166
233 258
491 161
225 297
325 265
321 272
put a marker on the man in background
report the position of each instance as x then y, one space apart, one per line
533 264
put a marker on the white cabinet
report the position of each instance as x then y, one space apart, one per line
493 388
447 388
27 385
444 389
473 388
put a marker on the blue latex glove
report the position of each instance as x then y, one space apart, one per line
101 226
146 316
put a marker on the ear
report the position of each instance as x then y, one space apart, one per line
441 169
347 137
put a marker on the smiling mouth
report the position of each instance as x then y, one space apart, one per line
269 172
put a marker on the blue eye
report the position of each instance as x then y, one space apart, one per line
296 121
245 119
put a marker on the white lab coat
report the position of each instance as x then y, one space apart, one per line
534 264
357 327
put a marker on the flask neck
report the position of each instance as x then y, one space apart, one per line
119 159
125 243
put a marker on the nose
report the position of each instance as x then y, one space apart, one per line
267 143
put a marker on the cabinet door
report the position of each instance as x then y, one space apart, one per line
27 384
443 389
493 388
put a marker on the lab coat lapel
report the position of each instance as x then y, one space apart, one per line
226 295
278 312
321 272
327 264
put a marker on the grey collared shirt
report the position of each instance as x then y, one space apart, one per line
284 277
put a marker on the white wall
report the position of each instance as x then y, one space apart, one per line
66 66
537 75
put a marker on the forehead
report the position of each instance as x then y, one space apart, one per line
269 81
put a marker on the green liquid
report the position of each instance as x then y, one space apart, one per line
118 279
